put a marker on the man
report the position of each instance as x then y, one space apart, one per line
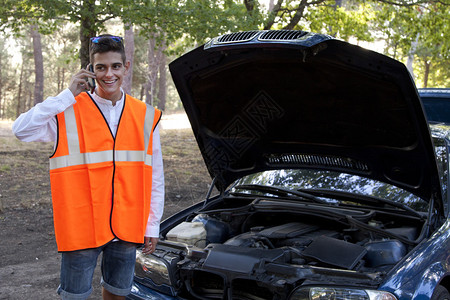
106 173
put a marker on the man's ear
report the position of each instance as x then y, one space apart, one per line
127 66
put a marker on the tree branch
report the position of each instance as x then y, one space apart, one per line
273 14
297 16
249 5
406 3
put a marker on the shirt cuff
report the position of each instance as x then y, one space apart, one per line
152 231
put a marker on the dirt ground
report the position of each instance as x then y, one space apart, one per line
29 261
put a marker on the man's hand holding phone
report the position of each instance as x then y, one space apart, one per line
79 84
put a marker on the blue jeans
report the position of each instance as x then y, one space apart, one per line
77 270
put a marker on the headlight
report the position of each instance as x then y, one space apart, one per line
331 293
152 267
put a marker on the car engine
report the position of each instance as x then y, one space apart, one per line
264 249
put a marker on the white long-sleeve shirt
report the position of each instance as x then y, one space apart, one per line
39 125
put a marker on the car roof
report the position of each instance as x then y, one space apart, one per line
435 92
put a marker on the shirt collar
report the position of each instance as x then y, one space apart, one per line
99 99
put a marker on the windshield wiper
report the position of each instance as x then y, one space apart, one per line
284 192
342 195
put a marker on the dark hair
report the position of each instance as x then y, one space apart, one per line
105 43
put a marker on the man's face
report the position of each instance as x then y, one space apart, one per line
109 70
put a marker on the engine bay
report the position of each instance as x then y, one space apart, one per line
274 246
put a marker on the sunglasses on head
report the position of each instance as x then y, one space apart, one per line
97 39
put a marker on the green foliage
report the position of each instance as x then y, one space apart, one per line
430 25
350 21
8 79
434 25
65 26
193 21
16 15
61 58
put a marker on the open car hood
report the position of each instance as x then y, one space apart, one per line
265 100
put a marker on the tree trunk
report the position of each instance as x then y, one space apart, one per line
151 73
249 5
162 89
129 52
426 73
409 62
63 79
38 66
142 94
88 23
154 57
19 92
29 103
1 87
58 78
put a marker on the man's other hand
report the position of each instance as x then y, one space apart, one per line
149 245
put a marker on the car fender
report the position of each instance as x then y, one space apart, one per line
418 274
422 286
429 281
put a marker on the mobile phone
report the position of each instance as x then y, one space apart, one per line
91 81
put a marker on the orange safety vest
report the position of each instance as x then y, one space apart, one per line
101 185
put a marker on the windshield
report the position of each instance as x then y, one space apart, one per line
327 180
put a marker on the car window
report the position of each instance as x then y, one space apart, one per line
436 103
437 109
312 179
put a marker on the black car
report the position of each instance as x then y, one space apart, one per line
436 102
331 184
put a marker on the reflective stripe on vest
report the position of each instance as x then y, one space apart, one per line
75 156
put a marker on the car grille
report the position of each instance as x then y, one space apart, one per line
206 285
237 37
265 38
281 35
249 289
268 35
317 160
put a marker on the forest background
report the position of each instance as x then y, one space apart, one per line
44 42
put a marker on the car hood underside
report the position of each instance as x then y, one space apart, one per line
289 99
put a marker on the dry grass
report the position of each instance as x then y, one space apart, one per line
186 177
24 179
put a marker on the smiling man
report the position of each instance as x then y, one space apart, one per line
106 172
